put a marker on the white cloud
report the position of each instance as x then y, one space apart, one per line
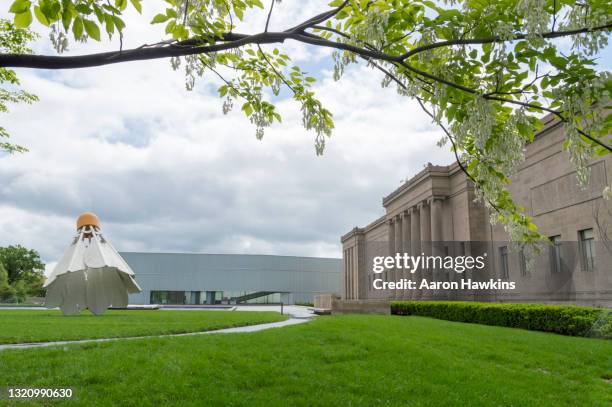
167 171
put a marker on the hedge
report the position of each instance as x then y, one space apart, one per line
560 319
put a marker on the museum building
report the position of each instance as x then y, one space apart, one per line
214 279
436 213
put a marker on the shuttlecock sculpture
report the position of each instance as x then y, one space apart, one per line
91 274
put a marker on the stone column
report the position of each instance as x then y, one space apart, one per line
437 273
388 273
399 247
399 244
391 235
425 211
415 231
406 228
436 219
347 270
350 259
346 276
406 247
415 243
353 275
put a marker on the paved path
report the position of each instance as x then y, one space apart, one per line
296 311
299 317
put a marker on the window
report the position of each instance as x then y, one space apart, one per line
555 254
168 297
503 262
587 249
192 297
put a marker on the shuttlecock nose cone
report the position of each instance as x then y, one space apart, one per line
88 219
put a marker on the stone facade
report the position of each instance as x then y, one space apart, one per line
435 213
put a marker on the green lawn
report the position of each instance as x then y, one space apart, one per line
43 326
331 361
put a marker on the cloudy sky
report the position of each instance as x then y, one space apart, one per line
165 170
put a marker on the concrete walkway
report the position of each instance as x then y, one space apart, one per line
298 316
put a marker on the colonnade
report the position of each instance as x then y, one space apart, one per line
412 230
416 230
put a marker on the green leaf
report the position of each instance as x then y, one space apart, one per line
92 29
121 4
51 10
66 18
119 23
41 17
159 18
137 5
247 108
110 24
99 14
170 26
558 62
239 13
83 8
532 63
23 20
524 130
520 46
77 28
180 32
20 6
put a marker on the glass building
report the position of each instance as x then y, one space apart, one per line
209 279
213 297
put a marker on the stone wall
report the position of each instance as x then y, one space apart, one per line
438 205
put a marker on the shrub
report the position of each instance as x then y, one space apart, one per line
560 319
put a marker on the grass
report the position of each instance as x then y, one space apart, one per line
20 326
359 360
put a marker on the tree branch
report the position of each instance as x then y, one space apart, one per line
229 13
280 75
269 15
444 129
233 40
312 39
183 48
318 19
477 41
